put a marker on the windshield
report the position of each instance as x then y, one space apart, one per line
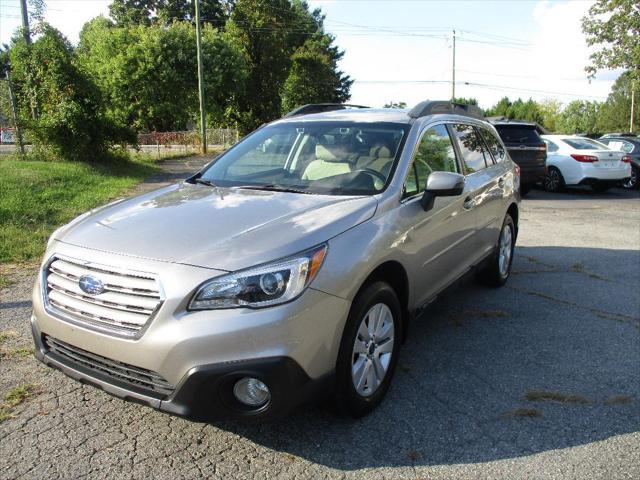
518 134
336 158
585 144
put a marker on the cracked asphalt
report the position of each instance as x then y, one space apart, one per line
540 380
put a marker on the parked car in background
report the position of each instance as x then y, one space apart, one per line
574 160
287 268
628 143
526 148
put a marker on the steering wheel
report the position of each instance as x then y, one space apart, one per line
373 173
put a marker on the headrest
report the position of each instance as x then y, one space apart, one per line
323 153
379 151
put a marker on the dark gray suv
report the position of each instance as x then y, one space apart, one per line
286 269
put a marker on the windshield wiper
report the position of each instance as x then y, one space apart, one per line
271 188
204 182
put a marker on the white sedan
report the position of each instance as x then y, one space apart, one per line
573 160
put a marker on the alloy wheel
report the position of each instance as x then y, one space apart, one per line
372 350
552 181
505 250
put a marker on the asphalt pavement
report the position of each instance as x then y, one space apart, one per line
539 379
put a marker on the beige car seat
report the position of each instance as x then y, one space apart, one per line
327 164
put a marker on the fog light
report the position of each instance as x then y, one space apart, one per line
251 392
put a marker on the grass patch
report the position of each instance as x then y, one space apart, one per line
39 196
4 281
4 336
19 352
522 412
544 396
13 398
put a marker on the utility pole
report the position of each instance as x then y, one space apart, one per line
14 112
453 70
633 105
26 33
203 119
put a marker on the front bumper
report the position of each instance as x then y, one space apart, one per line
205 392
292 346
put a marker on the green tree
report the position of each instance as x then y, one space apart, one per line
149 12
133 12
615 112
466 101
270 32
70 121
614 25
215 12
580 116
517 110
551 111
314 76
500 109
148 74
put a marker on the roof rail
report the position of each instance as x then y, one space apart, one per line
320 108
432 107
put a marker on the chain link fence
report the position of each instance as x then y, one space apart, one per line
168 144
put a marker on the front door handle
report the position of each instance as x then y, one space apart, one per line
469 203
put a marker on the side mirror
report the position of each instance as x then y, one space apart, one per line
441 184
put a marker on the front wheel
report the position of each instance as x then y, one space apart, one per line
497 272
368 350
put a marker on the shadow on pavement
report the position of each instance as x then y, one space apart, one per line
548 362
582 193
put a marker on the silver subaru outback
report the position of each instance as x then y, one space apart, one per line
287 269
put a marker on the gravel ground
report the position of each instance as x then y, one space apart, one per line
540 379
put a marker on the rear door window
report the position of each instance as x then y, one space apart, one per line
472 148
494 145
519 134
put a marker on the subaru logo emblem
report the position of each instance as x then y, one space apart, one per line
91 285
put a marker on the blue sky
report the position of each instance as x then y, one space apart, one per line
400 50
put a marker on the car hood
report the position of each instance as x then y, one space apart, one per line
213 227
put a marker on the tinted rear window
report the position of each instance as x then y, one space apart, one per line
518 134
584 144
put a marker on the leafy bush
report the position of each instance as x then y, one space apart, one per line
60 107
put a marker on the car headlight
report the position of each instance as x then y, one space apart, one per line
262 286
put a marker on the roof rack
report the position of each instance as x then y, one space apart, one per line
320 108
432 107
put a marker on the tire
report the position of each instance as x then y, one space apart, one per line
498 270
554 181
357 401
524 190
632 183
600 188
